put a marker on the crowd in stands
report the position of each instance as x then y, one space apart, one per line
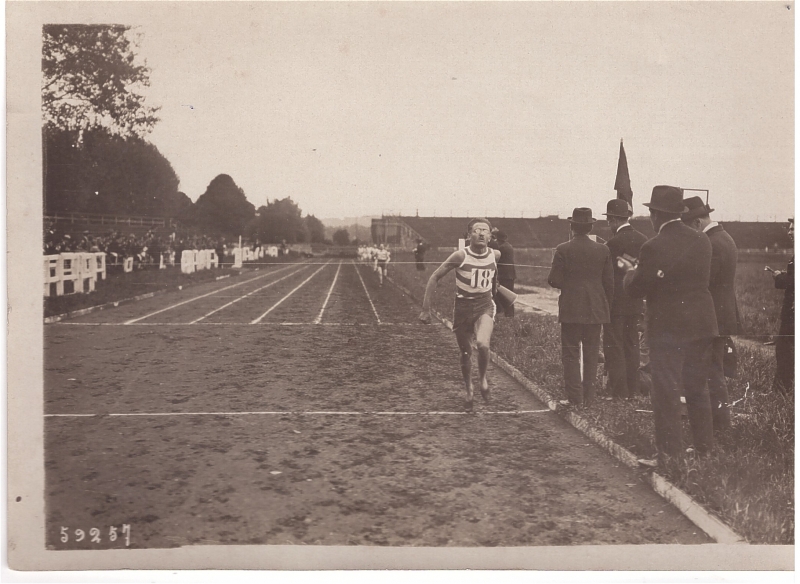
145 249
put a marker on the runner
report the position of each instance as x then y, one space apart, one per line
473 315
382 256
373 257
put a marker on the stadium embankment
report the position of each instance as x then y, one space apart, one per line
548 232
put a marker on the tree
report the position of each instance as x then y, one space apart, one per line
341 237
104 173
222 209
279 220
91 79
315 228
177 206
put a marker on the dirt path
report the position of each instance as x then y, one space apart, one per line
344 432
536 299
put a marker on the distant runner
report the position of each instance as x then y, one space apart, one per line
382 256
473 315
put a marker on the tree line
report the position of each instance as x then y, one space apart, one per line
96 158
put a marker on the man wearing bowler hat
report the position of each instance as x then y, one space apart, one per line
582 271
621 335
724 256
672 274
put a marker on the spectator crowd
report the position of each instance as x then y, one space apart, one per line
680 286
145 249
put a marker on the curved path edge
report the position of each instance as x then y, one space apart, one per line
696 513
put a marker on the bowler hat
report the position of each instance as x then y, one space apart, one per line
667 199
618 208
697 208
581 215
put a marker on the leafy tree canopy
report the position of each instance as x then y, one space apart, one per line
341 237
279 220
315 228
91 78
222 209
107 173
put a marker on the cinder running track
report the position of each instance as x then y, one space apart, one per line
303 404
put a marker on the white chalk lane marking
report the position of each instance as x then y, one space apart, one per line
383 324
318 320
378 318
248 294
290 413
135 320
279 302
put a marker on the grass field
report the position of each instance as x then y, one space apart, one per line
759 301
749 481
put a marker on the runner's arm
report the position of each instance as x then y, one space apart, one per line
451 263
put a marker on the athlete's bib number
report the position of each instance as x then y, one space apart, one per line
482 278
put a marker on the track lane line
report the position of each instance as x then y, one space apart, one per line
385 324
378 318
135 320
248 294
279 302
328 297
290 413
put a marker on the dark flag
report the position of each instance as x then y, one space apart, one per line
623 183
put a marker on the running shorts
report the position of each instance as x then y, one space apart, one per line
467 311
381 264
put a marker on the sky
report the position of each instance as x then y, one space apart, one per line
505 109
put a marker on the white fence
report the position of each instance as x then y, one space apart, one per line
73 273
246 254
77 273
193 260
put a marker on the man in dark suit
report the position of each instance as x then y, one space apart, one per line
784 342
582 270
419 255
506 272
672 275
621 335
724 257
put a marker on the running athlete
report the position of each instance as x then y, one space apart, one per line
473 315
382 256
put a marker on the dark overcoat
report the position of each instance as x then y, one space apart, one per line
505 265
626 241
582 270
673 276
724 256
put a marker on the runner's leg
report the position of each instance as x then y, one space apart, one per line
483 336
464 339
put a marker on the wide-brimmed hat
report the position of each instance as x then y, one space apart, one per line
667 199
581 215
618 208
697 208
